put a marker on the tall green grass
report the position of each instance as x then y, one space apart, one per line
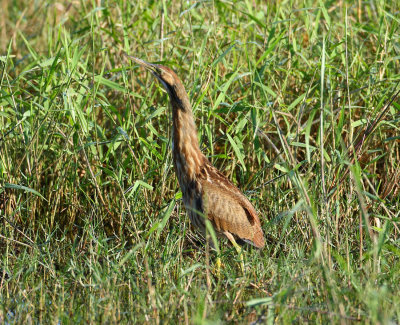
92 224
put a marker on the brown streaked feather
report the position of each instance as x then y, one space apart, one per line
227 208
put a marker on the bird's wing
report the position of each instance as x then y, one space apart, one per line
229 210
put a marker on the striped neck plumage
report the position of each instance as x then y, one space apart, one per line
186 151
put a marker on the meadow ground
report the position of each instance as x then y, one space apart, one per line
285 94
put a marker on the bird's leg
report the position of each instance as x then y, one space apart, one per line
237 247
211 238
218 264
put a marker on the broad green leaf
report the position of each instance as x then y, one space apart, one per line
24 188
238 152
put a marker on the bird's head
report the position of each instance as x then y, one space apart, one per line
165 75
170 81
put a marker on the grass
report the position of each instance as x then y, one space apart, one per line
92 223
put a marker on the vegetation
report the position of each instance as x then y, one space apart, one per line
92 225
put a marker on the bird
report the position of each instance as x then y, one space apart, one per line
207 193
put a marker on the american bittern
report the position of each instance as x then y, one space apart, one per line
206 191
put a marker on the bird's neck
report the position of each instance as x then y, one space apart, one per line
188 158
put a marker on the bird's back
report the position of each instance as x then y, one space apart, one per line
221 202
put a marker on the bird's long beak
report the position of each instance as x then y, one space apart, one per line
149 66
153 68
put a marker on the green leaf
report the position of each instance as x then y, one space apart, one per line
48 62
212 233
260 301
23 188
267 89
296 101
191 269
392 138
253 18
359 122
164 220
221 96
223 55
129 254
271 48
238 152
136 185
109 83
